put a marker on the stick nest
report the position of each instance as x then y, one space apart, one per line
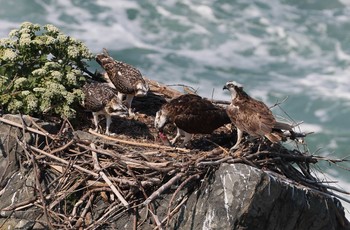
121 174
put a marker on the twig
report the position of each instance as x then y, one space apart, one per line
82 215
26 128
162 188
135 143
62 161
106 179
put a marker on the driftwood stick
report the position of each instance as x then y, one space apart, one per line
64 147
21 205
82 215
62 161
26 128
106 179
135 143
162 188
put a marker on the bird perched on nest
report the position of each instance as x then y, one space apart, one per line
253 116
191 114
101 99
126 78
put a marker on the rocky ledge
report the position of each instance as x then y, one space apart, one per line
55 177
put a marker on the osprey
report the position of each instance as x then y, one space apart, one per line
126 78
191 114
101 99
253 116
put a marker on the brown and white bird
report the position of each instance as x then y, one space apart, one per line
253 116
126 78
101 99
191 114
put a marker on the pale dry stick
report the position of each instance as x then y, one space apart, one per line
83 213
156 219
26 128
21 205
135 143
62 161
106 179
126 159
162 188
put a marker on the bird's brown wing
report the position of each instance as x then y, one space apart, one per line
122 75
97 95
255 118
127 77
194 114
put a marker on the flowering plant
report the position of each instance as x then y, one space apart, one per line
41 71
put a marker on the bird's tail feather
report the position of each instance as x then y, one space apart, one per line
283 126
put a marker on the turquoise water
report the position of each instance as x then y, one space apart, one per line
276 49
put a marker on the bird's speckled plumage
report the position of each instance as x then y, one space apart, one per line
253 116
101 99
126 78
191 114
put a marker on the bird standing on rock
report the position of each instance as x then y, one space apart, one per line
126 78
101 99
191 114
253 116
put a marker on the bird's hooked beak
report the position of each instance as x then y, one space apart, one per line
225 87
160 121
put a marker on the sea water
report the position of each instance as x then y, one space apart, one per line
290 51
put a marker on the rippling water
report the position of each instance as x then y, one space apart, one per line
276 49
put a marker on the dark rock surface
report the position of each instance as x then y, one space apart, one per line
243 197
17 181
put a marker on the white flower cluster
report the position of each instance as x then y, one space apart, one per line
62 38
73 52
50 40
56 75
13 33
39 72
6 42
52 65
71 78
69 97
39 89
9 54
25 39
15 106
20 82
25 92
32 102
51 29
55 87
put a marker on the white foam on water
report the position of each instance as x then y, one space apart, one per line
307 127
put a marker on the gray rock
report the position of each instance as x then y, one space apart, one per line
243 197
17 181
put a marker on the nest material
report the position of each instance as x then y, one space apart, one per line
131 172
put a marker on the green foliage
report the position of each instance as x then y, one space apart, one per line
41 71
